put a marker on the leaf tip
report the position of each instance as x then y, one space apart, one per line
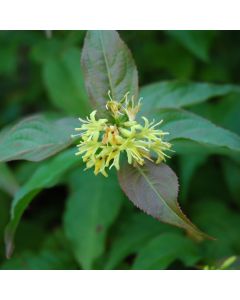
200 236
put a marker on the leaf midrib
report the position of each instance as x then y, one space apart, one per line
107 66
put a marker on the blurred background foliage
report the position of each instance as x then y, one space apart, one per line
68 226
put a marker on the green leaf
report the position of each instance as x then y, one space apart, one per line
132 234
9 59
64 81
183 125
220 221
163 250
53 255
8 182
225 114
25 169
231 170
46 176
43 260
108 65
4 216
30 234
196 41
189 164
46 49
176 94
164 60
92 207
36 138
154 189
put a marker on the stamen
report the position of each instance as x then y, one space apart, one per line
75 135
125 97
82 120
159 123
109 95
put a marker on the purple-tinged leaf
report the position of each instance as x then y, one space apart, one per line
154 189
107 64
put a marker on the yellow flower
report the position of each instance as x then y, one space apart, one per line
131 109
91 127
103 141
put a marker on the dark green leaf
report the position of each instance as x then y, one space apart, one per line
43 260
154 189
183 125
36 138
164 59
189 164
196 41
92 207
54 255
46 176
132 235
163 250
64 81
225 113
8 62
232 176
25 170
30 235
108 65
220 221
46 49
176 94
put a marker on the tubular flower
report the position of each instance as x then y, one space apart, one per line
102 141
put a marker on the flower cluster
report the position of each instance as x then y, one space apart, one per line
103 141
